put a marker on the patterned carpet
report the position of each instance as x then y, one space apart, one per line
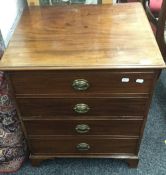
152 153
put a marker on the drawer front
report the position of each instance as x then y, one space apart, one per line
83 145
81 82
82 106
126 127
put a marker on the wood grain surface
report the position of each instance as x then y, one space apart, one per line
53 47
115 126
90 36
98 106
59 82
98 145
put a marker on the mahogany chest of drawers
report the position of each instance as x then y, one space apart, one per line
82 78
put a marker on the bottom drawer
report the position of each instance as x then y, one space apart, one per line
83 145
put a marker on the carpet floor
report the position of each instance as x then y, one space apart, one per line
152 153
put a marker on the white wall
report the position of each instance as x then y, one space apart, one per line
10 11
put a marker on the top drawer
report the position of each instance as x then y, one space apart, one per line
81 82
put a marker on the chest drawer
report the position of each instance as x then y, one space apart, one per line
129 127
81 82
44 107
83 145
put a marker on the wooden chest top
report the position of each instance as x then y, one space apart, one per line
83 37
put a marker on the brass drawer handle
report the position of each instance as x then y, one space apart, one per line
81 108
83 147
82 128
80 84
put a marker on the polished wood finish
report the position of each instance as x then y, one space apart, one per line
119 62
36 162
82 37
68 145
98 106
106 1
133 163
60 82
33 2
118 126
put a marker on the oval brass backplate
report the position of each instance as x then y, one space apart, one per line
83 147
81 108
82 128
80 84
